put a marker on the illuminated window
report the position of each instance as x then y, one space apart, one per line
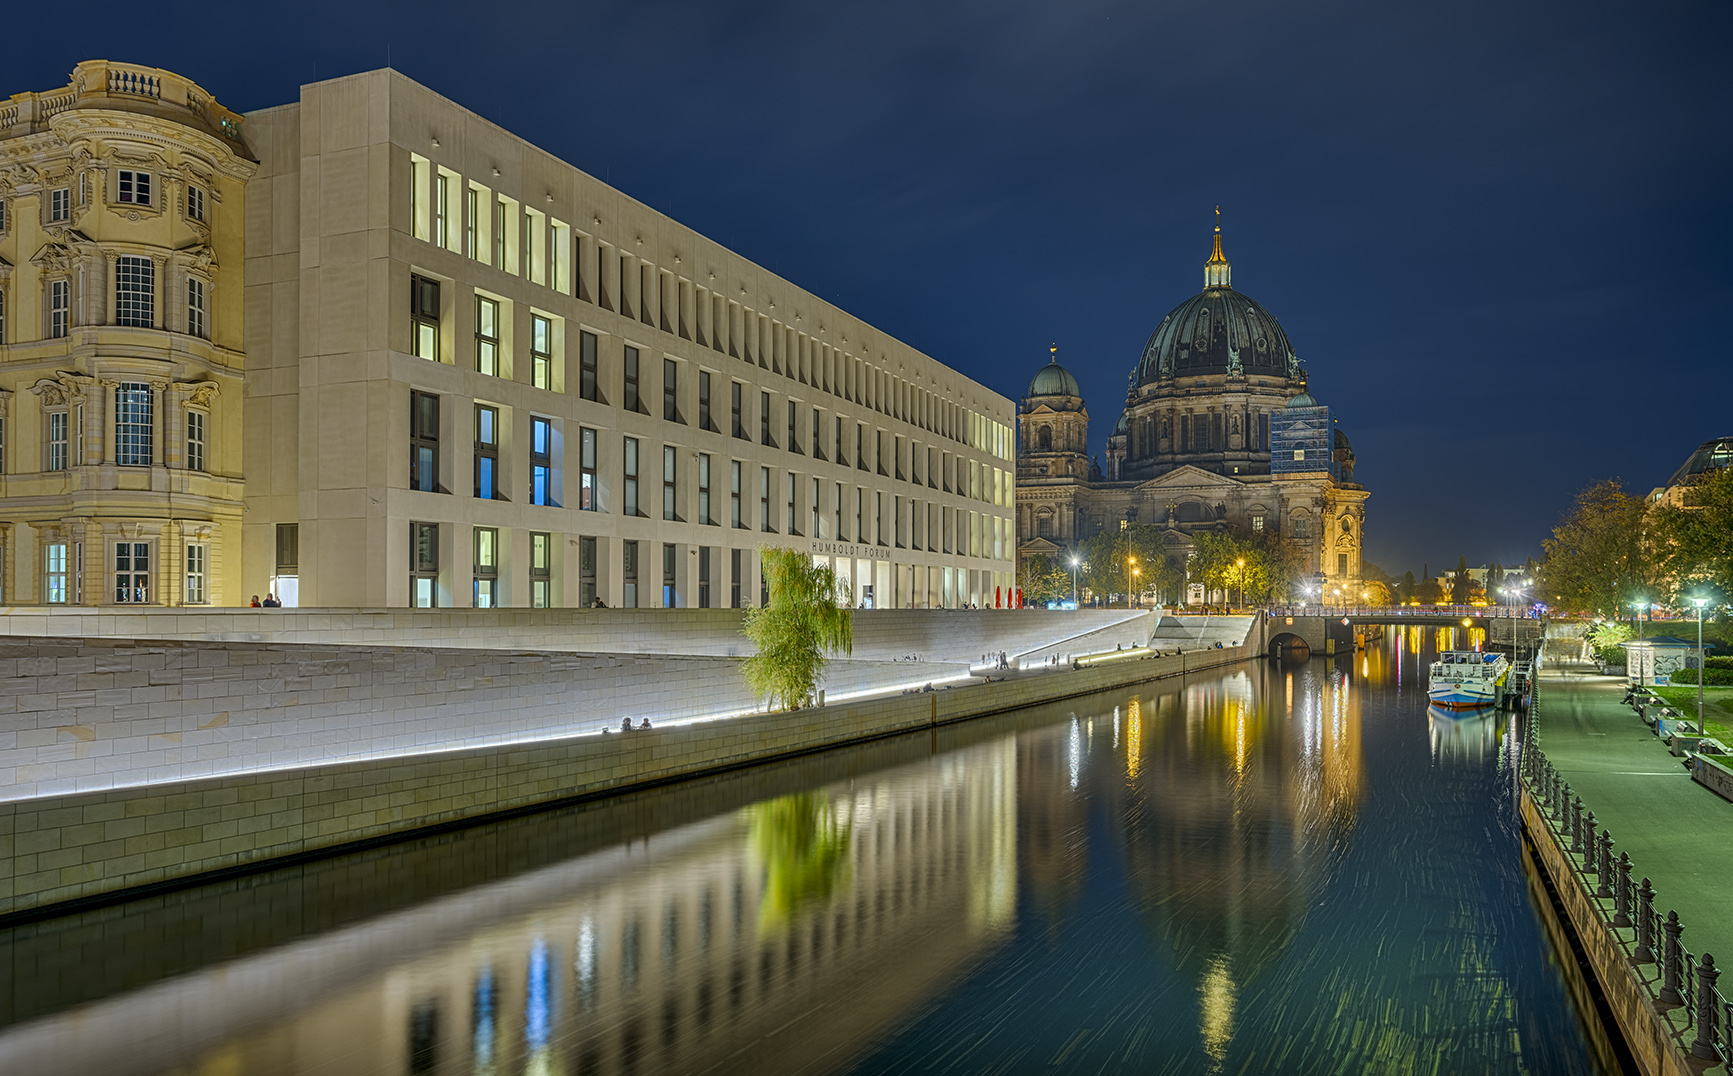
487 335
57 431
195 440
541 559
55 574
542 483
132 424
132 573
198 316
59 308
424 317
586 572
486 567
486 452
195 574
133 187
424 565
424 442
134 291
587 492
541 351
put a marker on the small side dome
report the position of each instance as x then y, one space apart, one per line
1342 440
1054 379
1122 427
1304 399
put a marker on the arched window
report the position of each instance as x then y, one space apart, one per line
1044 439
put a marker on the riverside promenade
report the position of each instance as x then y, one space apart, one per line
1677 833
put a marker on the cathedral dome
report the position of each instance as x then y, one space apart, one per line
1217 332
1120 427
1054 380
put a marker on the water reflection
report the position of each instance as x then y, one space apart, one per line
1162 880
1464 737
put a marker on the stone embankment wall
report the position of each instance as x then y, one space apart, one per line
94 845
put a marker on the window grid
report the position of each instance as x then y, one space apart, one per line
631 467
132 424
424 317
195 203
55 573
423 565
195 573
486 578
487 336
541 351
734 495
60 204
632 401
764 499
587 372
670 386
132 573
195 440
133 188
704 420
669 491
587 493
542 462
198 323
59 308
541 558
57 441
486 452
134 291
424 442
704 490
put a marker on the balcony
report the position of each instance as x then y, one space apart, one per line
125 88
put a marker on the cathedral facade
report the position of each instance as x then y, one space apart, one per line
1219 433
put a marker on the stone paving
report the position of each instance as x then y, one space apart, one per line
1678 833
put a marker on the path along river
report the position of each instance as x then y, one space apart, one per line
1286 868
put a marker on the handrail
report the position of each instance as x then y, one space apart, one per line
1687 982
1478 612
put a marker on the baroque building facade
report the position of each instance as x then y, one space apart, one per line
121 369
1218 433
369 349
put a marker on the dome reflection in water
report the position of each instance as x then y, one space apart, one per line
1289 868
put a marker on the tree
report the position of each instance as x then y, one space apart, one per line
1461 583
1428 592
1104 561
1601 556
1604 640
1043 580
805 621
1407 587
1494 584
1697 540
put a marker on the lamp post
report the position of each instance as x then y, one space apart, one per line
1702 663
1137 573
1129 561
1240 577
1074 579
1637 608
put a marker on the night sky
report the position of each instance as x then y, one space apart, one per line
1497 233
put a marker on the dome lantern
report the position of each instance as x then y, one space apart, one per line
1217 273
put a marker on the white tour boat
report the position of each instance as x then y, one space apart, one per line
1466 678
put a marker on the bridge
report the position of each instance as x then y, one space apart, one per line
1330 629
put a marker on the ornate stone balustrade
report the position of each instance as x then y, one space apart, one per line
123 87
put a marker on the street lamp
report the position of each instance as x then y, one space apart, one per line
1702 664
1074 579
1137 572
1240 577
1129 561
1638 607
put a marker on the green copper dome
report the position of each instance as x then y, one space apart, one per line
1054 380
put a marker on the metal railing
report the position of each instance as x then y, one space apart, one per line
1687 983
1478 612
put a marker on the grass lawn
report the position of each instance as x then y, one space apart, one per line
1717 708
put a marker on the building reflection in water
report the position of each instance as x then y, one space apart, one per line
1464 737
794 933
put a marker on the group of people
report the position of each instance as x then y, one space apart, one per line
270 602
627 726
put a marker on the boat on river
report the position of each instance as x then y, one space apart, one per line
1461 679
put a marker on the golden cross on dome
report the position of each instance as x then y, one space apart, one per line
1054 351
1218 218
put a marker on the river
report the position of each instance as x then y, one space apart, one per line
1284 868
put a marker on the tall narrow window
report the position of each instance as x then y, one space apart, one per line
195 440
815 489
134 291
195 202
704 576
670 385
486 452
704 490
424 442
587 373
487 335
704 420
288 549
541 351
486 567
629 574
541 579
588 495
840 458
424 317
734 401
669 491
55 574
586 572
133 187
471 225
542 462
499 227
60 204
424 565
764 420
57 454
669 555
793 416
860 461
198 313
879 515
734 495
734 571
631 490
132 572
132 424
441 212
792 516
817 434
632 401
764 499
59 308
195 573
841 535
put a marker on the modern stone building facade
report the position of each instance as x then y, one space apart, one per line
121 351
465 373
1218 433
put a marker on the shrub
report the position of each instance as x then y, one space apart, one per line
1712 676
1720 663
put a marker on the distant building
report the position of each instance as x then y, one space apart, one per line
1710 456
470 375
1218 433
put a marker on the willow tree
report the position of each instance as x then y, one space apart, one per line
806 620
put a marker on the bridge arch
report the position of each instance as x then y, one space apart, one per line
1287 644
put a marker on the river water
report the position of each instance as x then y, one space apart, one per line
1283 868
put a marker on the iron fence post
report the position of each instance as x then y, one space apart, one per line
1605 864
1576 824
1706 1009
1588 848
1670 961
1622 892
1645 924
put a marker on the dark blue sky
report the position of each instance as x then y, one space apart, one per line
1497 233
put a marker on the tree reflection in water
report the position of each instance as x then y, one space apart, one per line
802 841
